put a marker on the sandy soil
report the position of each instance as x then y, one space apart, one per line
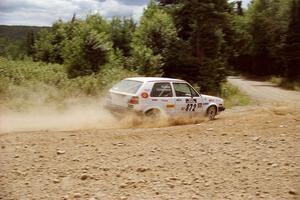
249 152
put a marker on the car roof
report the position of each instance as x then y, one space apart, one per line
154 79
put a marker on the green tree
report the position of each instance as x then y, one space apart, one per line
121 34
292 43
82 45
30 43
202 27
239 8
268 22
152 40
3 44
49 44
15 50
89 48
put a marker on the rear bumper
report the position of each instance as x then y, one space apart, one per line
220 109
121 110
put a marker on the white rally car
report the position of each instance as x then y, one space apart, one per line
152 95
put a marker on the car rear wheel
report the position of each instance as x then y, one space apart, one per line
153 113
211 112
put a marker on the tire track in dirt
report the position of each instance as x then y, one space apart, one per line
250 152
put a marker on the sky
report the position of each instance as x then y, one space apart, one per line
45 12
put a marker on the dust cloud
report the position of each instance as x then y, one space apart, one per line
163 120
80 114
75 114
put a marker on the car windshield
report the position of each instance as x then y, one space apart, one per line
128 86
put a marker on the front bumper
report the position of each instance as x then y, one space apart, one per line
220 109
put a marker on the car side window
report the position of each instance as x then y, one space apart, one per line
182 90
161 90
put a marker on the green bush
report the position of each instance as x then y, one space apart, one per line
233 96
285 83
27 83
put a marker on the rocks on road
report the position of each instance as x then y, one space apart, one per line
249 154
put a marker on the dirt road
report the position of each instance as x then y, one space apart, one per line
250 152
265 92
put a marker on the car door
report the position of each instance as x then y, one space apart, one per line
187 100
162 98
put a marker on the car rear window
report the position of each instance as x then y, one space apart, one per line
128 86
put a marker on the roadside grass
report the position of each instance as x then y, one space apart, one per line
233 96
284 83
25 84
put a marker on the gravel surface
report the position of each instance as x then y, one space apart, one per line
249 152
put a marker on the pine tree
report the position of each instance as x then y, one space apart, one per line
89 48
239 8
292 44
30 43
152 40
121 34
199 55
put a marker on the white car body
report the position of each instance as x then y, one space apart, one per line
170 96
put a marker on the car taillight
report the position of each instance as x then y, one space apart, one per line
134 100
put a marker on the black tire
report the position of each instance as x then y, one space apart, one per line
153 114
211 112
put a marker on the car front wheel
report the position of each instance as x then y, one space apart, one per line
211 112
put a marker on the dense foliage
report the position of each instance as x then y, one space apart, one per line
291 46
200 54
268 39
16 42
27 82
152 41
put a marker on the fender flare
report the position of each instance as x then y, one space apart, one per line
152 108
210 105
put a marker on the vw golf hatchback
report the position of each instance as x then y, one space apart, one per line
152 95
